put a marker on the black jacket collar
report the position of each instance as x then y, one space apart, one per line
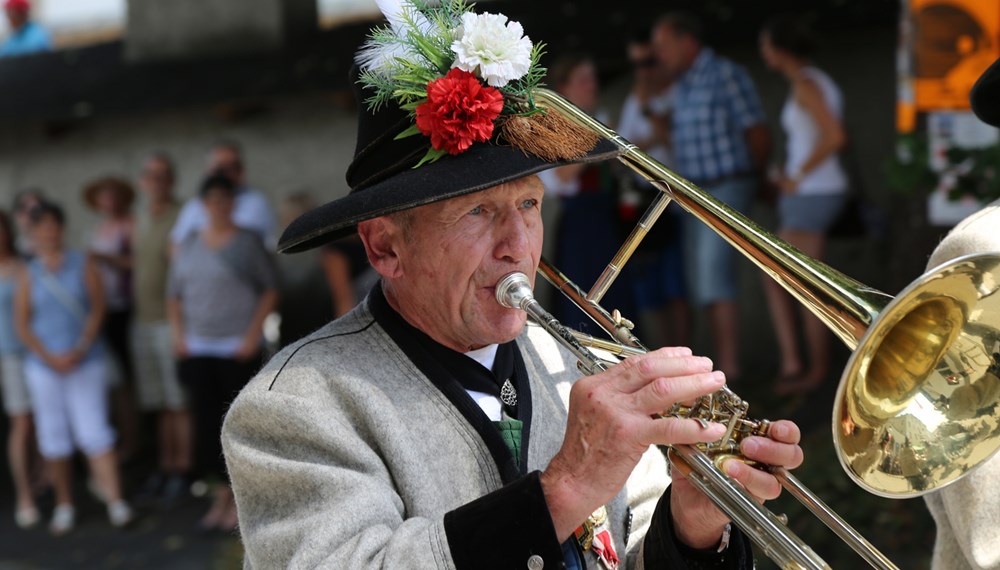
453 373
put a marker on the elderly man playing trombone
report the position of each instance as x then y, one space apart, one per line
429 427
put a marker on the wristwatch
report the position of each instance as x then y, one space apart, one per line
724 541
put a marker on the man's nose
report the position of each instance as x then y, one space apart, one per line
514 242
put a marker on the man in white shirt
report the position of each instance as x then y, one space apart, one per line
251 211
656 272
644 116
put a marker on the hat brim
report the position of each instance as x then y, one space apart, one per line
480 167
985 95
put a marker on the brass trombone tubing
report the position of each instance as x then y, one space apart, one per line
592 309
607 345
613 270
845 305
767 530
764 527
832 520
789 482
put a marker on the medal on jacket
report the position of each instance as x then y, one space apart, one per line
594 535
508 395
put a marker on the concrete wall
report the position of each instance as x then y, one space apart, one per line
196 28
302 142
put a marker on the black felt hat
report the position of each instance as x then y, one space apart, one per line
985 95
382 178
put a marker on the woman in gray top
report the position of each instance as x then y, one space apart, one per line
221 288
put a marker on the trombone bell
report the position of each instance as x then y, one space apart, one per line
917 406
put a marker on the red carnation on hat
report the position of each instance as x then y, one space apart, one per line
459 111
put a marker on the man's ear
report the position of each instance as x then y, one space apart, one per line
381 236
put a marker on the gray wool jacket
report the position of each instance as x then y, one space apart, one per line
967 512
342 454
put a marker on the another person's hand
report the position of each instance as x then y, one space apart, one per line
697 521
64 362
661 129
788 185
641 88
611 424
180 347
102 258
769 185
249 347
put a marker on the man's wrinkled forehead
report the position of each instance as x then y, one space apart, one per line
527 183
460 203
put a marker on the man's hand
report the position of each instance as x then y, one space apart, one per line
611 424
697 521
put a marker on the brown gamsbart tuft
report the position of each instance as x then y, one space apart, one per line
549 136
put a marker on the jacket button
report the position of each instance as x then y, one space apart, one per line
536 562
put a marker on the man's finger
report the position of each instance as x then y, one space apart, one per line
771 452
784 431
671 431
758 483
659 394
636 371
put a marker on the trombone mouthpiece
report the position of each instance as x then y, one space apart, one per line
514 291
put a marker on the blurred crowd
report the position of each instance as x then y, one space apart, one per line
699 114
160 318
169 308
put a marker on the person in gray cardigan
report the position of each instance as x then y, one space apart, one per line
431 428
967 512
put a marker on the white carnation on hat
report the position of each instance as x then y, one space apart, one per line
491 46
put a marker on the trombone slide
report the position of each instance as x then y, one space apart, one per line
761 525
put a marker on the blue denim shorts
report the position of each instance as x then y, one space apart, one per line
658 279
711 262
814 213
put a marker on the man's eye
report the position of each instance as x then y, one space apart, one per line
476 211
529 203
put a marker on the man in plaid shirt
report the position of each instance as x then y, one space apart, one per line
721 143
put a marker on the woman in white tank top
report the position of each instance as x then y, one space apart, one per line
813 186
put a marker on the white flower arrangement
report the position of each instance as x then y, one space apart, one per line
425 42
493 48
462 77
